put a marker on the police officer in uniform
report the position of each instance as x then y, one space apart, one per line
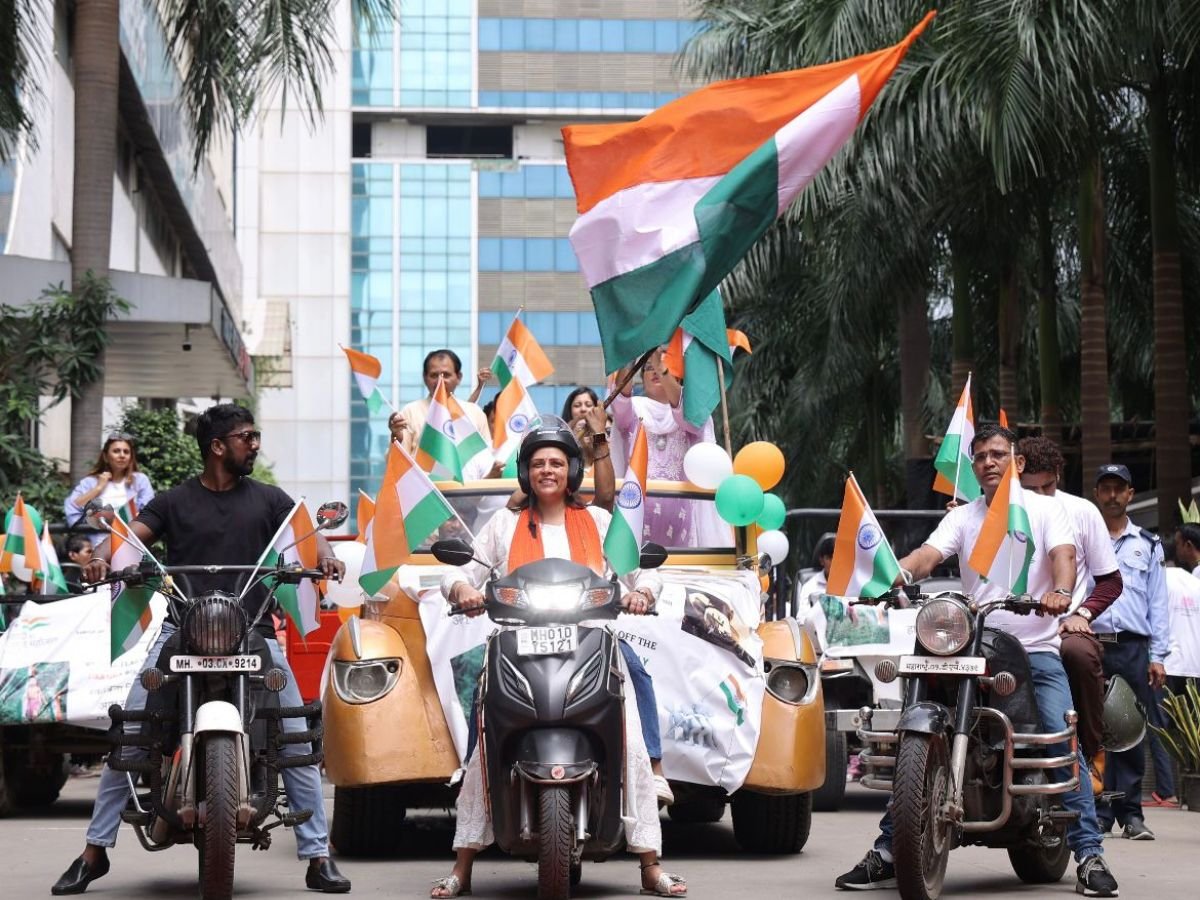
1133 633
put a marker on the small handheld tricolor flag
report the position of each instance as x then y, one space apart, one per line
1004 547
296 545
366 369
20 553
519 357
408 509
668 205
864 564
623 543
516 414
449 445
50 579
129 510
953 463
129 611
364 515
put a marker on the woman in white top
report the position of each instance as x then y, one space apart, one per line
552 522
114 481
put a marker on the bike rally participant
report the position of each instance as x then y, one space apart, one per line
221 517
1051 577
113 482
1095 564
552 522
1134 632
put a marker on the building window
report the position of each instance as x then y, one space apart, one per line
519 35
526 254
479 141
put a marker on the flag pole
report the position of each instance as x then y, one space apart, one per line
958 456
724 406
633 370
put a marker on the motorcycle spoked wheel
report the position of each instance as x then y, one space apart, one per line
921 838
556 834
218 841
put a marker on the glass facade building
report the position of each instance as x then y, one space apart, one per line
447 247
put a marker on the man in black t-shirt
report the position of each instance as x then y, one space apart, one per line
221 517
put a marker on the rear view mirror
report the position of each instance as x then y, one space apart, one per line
653 555
453 552
97 515
331 515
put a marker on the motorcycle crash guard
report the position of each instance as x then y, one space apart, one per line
925 717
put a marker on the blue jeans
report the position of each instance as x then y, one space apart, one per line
643 692
1053 699
302 784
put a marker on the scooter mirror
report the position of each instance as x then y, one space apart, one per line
331 515
453 552
653 556
97 515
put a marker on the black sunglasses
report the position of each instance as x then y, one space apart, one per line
246 437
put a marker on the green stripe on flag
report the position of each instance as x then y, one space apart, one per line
706 325
732 702
472 445
951 461
375 402
1018 523
501 371
125 618
372 582
884 569
621 546
737 211
424 518
442 449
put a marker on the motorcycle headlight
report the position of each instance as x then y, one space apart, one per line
215 624
553 596
365 681
788 683
943 626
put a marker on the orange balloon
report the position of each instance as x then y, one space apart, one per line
346 613
762 461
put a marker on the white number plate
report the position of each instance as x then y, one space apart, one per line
247 663
547 641
942 665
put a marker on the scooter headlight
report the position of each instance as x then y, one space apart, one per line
365 681
943 626
554 596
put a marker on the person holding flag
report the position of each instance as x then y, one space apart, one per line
221 517
1010 542
114 482
441 365
551 521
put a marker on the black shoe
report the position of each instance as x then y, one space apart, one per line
79 875
872 874
1094 879
323 876
1136 830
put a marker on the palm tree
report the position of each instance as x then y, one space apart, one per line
231 53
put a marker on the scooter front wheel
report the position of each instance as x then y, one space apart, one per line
922 838
556 833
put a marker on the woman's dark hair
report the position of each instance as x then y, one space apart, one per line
566 410
117 436
218 421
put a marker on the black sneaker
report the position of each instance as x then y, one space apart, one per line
1094 879
875 873
1136 830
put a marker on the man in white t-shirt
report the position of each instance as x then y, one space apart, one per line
1051 578
1183 601
1187 547
1097 586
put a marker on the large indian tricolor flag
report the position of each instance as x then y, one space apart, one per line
1004 547
692 356
623 543
670 203
953 462
449 445
520 357
408 509
129 611
864 564
295 543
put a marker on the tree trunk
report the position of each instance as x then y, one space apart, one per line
913 334
1172 452
1010 339
963 360
96 51
1095 410
1049 372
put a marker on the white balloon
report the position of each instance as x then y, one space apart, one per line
775 545
347 591
707 465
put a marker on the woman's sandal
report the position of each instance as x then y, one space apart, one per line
662 887
451 885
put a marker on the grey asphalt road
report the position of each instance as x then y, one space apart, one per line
36 847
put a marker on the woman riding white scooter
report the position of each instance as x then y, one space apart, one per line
552 522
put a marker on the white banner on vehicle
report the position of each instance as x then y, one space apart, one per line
54 664
701 650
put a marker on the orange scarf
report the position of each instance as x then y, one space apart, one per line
582 535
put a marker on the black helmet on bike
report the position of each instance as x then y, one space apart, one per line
1124 716
552 432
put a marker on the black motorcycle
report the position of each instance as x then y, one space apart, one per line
211 731
552 734
966 762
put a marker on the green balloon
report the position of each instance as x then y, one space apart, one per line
773 513
739 500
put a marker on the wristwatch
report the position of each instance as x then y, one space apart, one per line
599 438
1085 614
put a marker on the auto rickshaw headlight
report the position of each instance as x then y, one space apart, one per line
943 626
788 683
365 681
